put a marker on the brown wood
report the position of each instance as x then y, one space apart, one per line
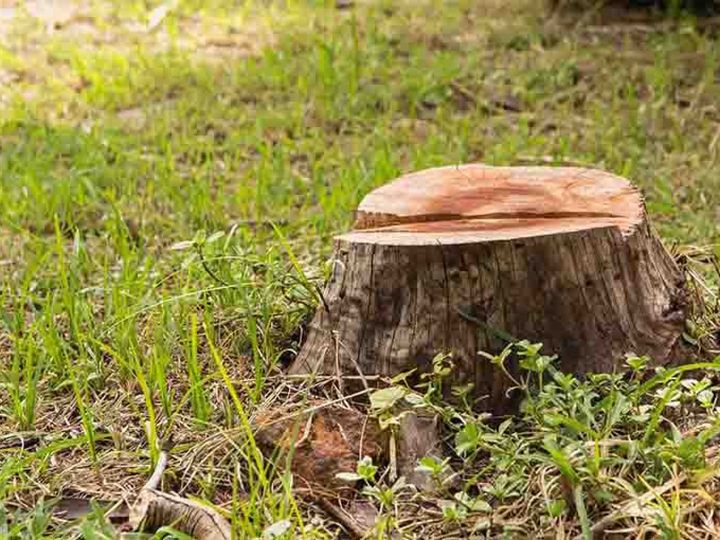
322 440
154 509
460 259
418 436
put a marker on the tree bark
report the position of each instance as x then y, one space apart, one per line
467 259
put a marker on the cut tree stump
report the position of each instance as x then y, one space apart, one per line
466 258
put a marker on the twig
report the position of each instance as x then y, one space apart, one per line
353 529
154 480
209 270
316 407
599 527
393 456
551 160
627 508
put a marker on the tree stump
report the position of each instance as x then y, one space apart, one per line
464 259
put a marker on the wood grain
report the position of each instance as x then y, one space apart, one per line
585 276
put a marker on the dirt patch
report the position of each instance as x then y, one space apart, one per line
328 441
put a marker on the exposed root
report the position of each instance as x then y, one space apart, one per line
154 509
352 527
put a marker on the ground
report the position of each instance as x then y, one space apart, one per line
171 176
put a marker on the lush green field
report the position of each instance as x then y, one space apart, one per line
170 184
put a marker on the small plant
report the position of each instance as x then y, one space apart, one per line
383 495
198 399
166 208
436 468
442 367
21 382
637 364
364 471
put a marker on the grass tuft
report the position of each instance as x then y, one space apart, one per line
168 196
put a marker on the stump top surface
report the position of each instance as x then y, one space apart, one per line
476 203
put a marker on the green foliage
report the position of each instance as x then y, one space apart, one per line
595 442
365 471
167 203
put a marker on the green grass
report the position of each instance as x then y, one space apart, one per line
168 199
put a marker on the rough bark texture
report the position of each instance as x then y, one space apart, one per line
155 509
472 257
418 436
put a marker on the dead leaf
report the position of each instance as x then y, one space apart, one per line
72 508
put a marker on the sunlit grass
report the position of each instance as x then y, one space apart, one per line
168 199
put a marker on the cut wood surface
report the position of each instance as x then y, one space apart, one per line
466 258
477 203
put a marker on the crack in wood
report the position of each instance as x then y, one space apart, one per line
377 222
590 291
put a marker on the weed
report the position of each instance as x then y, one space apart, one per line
123 325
